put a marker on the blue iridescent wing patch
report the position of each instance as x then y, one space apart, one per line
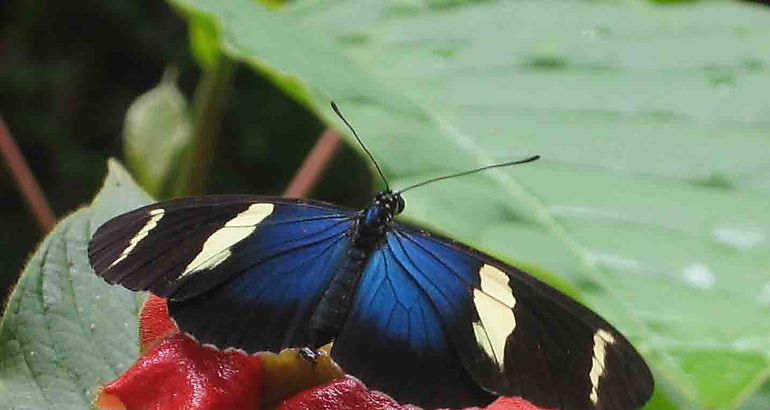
396 341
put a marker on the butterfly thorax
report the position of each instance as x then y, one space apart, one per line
368 233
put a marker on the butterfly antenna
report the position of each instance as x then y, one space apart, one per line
473 171
376 165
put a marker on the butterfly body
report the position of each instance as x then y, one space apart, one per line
368 233
423 318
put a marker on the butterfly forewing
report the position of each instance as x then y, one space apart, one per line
163 246
240 271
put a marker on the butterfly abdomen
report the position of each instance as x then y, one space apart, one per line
333 308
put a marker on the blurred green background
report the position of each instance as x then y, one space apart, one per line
70 70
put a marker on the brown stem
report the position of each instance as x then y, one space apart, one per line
314 165
25 180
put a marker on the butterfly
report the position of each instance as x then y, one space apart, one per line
423 318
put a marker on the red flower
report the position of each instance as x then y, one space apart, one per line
175 372
178 373
350 394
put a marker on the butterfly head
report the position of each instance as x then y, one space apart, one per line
391 202
386 205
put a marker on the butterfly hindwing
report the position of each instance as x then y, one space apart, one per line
394 340
517 335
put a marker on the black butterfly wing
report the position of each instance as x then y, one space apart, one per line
238 270
434 320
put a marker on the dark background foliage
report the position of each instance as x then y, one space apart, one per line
68 72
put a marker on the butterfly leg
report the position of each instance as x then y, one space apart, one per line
309 354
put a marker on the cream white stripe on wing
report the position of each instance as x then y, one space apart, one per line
494 282
216 249
602 340
155 216
494 303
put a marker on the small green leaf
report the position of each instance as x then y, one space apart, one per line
156 134
65 331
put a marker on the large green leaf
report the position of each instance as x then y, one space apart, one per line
65 331
652 199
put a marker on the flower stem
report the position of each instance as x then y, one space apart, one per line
314 165
25 180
